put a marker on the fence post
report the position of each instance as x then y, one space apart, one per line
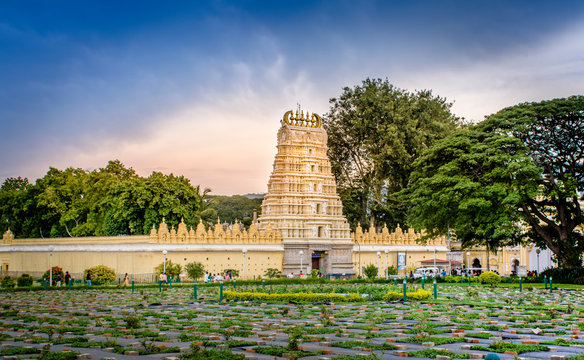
545 281
551 286
170 283
132 286
195 290
405 288
435 290
520 285
234 284
70 283
45 284
394 281
221 291
423 278
264 284
159 285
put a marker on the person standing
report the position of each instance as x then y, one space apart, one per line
88 278
126 280
67 277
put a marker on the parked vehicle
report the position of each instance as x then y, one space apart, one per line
430 272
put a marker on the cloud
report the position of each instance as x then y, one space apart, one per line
550 68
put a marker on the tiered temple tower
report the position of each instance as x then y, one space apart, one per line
302 201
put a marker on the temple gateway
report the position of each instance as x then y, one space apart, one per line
302 201
301 228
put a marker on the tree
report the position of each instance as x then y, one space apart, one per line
172 270
195 270
272 273
236 207
371 271
375 132
553 134
469 183
518 175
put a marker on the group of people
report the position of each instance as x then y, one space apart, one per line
217 277
58 280
301 275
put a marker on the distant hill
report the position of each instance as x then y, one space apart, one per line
255 196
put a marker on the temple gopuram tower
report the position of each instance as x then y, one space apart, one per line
302 201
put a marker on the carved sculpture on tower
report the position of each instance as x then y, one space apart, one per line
302 201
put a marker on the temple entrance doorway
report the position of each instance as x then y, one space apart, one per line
317 258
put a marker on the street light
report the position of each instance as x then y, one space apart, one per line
300 253
51 249
243 251
537 251
164 252
468 260
378 263
386 264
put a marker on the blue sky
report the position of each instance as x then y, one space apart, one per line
197 88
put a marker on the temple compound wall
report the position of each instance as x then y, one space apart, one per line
301 228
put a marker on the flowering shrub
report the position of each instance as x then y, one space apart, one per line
56 271
299 297
418 295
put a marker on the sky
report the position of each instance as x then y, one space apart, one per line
198 88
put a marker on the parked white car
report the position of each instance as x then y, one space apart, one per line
430 272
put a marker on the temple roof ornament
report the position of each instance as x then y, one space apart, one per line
313 121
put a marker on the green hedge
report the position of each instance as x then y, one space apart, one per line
299 297
418 295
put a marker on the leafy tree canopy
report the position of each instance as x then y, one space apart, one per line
517 175
108 201
375 132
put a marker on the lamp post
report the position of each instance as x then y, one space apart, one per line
164 252
359 247
301 253
468 261
51 249
537 251
386 264
378 263
243 251
434 257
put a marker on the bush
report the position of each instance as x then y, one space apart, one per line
24 280
100 274
563 275
195 270
56 271
371 271
272 273
418 295
7 282
132 322
489 278
172 270
392 270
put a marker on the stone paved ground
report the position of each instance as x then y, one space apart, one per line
118 324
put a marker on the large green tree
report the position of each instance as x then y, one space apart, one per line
375 132
518 174
553 134
135 205
112 200
469 185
